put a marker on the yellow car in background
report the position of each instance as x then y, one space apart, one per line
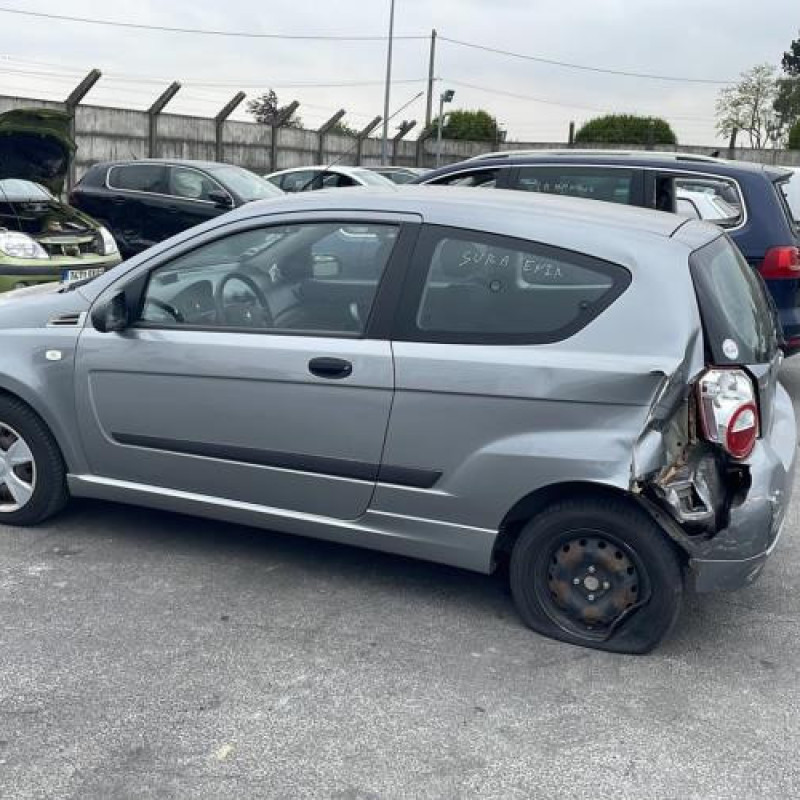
41 238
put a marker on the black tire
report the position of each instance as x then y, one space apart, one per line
50 487
549 583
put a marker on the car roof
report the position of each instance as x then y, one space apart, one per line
343 168
179 162
668 160
612 231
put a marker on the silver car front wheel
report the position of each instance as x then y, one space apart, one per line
33 482
17 470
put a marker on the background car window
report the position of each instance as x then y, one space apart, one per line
611 185
333 180
713 199
317 277
246 184
481 288
298 181
486 178
192 184
138 178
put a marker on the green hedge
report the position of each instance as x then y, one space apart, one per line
626 129
794 136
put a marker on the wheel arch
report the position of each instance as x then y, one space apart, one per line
536 501
12 388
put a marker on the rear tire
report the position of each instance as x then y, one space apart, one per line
599 573
32 474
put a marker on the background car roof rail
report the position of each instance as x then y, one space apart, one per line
666 154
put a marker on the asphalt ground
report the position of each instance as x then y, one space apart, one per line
151 655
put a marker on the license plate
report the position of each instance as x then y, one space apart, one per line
71 275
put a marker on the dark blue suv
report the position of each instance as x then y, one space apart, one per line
748 200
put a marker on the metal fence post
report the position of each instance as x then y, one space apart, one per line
152 116
426 134
402 130
280 121
219 123
362 134
71 105
322 132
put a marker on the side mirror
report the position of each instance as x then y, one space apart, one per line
111 316
221 199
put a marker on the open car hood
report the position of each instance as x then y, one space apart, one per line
36 145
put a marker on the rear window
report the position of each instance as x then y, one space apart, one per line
484 179
479 288
738 320
138 178
789 196
591 183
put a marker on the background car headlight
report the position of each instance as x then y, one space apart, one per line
20 245
107 244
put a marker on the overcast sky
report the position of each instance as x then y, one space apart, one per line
705 39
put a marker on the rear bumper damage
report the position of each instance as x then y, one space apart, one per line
727 518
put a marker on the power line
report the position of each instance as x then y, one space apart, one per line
201 31
248 84
584 67
517 96
358 38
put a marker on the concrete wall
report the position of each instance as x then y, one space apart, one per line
105 134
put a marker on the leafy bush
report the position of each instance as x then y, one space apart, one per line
626 129
794 136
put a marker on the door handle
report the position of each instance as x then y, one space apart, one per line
172 209
331 368
117 201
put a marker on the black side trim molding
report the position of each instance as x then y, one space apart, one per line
322 465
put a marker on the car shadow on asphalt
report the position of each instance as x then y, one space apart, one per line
137 533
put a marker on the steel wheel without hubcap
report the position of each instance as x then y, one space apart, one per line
592 582
17 471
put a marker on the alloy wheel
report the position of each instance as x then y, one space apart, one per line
17 470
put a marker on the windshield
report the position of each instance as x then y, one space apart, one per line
739 325
247 185
15 190
371 178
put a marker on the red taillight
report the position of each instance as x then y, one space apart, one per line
728 410
780 263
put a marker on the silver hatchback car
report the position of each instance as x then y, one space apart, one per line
584 393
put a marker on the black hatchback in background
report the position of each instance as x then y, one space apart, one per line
144 202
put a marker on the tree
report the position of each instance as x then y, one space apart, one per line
626 129
794 136
787 102
476 126
343 129
267 111
748 106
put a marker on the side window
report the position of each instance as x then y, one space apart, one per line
705 197
336 180
138 178
485 179
307 278
479 288
298 181
191 184
592 183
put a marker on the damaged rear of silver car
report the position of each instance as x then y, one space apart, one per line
722 434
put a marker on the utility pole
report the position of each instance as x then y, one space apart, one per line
431 79
387 93
445 97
